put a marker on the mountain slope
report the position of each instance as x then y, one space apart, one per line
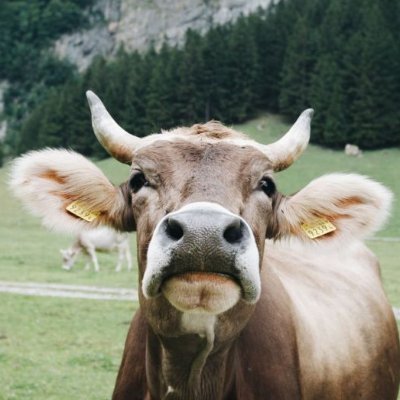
138 24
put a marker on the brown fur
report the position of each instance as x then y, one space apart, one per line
53 176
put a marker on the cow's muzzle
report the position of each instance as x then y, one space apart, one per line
202 242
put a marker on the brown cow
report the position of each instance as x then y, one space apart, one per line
236 300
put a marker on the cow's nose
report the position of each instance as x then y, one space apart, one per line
234 231
174 228
220 227
203 238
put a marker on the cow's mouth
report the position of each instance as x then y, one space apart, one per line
202 292
205 248
164 281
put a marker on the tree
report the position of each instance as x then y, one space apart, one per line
133 113
190 86
158 94
242 72
325 94
28 137
216 82
300 60
372 63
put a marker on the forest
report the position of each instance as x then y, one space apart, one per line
340 57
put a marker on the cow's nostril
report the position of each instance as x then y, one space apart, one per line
174 229
234 232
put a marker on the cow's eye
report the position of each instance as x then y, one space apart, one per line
137 181
267 185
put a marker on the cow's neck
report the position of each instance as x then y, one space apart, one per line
202 326
193 364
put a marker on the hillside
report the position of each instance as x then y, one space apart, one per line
46 42
157 64
139 24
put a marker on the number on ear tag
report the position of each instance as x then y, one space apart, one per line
317 227
80 210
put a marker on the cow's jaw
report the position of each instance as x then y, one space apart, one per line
206 264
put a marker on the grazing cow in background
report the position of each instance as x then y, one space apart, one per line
245 293
102 239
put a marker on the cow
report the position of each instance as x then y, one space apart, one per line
100 239
244 292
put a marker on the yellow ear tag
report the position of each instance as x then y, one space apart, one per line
317 227
80 210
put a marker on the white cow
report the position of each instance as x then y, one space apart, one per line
102 239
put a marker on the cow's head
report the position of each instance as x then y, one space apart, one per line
202 200
68 258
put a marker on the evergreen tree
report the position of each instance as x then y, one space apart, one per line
116 73
134 111
52 133
176 101
300 60
190 85
266 82
158 94
242 74
215 73
374 65
28 137
76 121
324 81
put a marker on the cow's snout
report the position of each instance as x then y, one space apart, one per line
212 228
202 248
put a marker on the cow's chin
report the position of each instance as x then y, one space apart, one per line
201 292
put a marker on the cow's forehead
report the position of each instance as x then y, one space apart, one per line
226 155
212 133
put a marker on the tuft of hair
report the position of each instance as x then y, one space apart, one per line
212 130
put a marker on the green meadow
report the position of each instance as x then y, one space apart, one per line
52 348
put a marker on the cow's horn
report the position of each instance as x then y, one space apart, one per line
289 148
118 142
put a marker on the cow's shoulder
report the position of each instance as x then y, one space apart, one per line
294 256
344 278
342 319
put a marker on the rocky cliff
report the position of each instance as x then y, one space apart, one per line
136 24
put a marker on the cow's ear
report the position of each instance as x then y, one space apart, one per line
335 206
68 192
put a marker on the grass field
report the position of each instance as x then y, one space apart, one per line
57 349
70 349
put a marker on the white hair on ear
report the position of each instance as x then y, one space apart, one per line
356 205
48 181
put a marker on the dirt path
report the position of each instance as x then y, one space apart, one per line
80 292
71 291
384 239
